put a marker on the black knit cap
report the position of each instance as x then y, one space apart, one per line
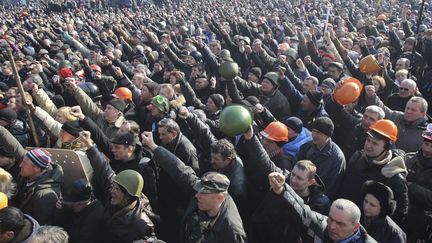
294 123
124 139
119 104
383 193
323 125
8 115
256 71
315 97
218 100
72 127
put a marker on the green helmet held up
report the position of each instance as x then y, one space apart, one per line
229 70
64 64
130 180
183 30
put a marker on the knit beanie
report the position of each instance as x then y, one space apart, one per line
323 125
119 104
294 123
72 127
256 71
315 97
8 115
218 100
40 157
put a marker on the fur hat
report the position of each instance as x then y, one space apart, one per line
384 195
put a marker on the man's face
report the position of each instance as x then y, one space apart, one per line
111 114
318 138
413 111
426 148
252 78
373 147
267 87
306 104
368 119
120 151
211 106
334 72
218 162
308 85
406 90
401 64
299 179
269 145
165 136
117 195
339 224
207 201
28 169
291 134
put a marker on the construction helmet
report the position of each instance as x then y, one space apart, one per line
131 181
96 68
123 93
3 200
385 128
369 65
276 131
382 17
348 92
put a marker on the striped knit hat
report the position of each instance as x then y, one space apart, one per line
40 157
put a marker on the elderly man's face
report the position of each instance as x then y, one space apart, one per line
339 224
406 90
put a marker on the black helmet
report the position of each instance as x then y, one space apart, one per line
91 90
80 191
196 55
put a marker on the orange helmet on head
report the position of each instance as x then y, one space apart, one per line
382 17
123 93
385 128
276 131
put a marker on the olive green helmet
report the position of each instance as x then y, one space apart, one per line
224 53
65 64
130 180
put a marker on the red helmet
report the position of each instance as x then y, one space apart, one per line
96 68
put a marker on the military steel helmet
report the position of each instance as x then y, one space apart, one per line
229 70
131 181
65 64
224 53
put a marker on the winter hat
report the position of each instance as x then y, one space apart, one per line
218 100
272 77
40 157
383 193
315 97
256 71
329 56
72 127
336 65
294 123
330 83
8 115
119 104
324 125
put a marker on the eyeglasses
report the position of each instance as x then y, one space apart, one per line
403 89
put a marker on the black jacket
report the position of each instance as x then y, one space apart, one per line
384 229
390 171
227 227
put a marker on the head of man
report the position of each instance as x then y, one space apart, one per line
7 159
77 195
215 102
201 83
114 110
309 84
212 190
269 83
380 136
126 187
402 63
35 162
70 131
343 220
426 147
123 146
335 70
415 109
372 114
222 154
12 221
302 176
275 135
311 101
295 126
407 88
168 130
322 130
159 106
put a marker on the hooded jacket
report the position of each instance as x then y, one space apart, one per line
30 227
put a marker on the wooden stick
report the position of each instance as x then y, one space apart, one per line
21 90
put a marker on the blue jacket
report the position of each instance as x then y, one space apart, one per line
291 148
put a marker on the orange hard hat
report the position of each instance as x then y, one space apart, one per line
369 65
382 17
276 131
348 92
386 128
96 68
3 200
123 93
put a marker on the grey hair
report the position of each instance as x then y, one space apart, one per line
49 234
377 110
422 101
410 82
169 124
348 206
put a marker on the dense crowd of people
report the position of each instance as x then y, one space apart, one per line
338 147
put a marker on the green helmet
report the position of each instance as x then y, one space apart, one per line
183 30
229 70
130 180
234 120
64 64
224 53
